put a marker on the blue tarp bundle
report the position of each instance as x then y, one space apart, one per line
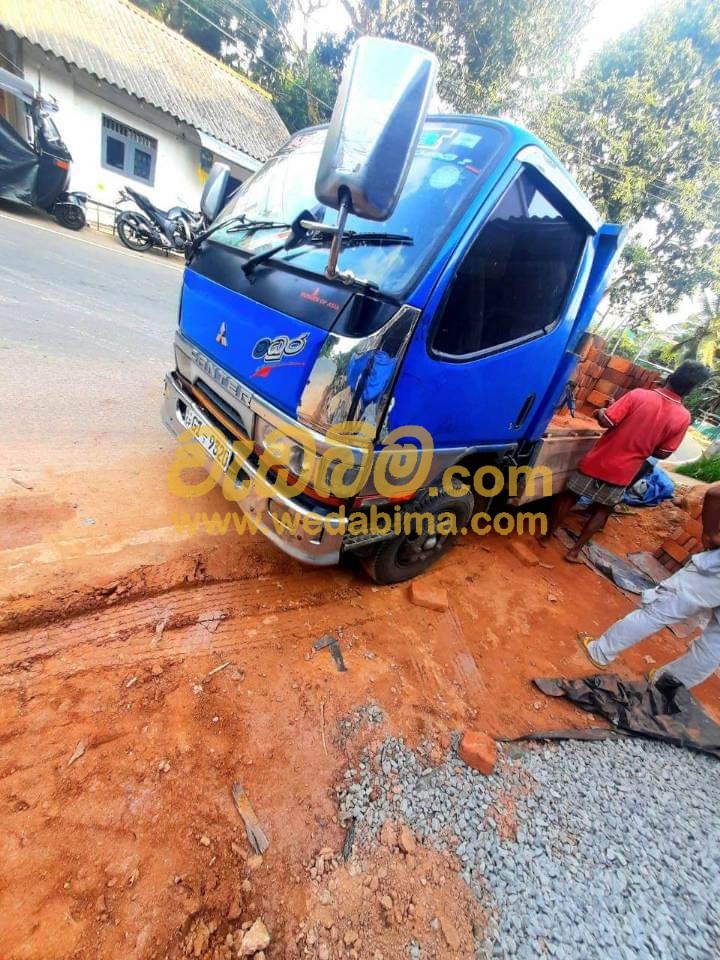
651 490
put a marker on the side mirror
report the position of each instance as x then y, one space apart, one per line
375 127
213 195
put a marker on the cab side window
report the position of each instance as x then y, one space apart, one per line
516 276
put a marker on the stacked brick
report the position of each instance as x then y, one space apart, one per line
602 378
675 553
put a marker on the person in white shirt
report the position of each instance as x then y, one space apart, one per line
692 591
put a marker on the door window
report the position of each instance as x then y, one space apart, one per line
517 274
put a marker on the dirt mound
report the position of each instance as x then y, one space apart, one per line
398 900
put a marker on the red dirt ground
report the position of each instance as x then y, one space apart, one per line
112 625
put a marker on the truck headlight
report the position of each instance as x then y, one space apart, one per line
282 450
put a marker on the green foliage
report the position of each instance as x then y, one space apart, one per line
641 130
705 399
706 470
319 73
698 338
179 18
495 55
253 37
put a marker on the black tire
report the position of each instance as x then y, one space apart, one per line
409 555
70 215
128 227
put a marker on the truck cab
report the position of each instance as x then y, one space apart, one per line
450 333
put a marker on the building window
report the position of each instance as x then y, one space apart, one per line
516 276
128 151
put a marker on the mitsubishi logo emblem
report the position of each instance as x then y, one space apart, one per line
220 335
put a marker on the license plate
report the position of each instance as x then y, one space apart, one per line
217 447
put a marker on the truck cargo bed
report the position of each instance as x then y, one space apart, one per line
565 443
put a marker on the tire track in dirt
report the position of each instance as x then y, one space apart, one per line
187 621
150 580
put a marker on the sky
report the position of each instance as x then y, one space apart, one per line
612 18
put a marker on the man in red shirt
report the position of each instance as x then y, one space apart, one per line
641 424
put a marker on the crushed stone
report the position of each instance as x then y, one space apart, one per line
607 850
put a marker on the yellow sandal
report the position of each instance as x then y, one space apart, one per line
583 640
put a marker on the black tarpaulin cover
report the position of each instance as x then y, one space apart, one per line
19 166
665 710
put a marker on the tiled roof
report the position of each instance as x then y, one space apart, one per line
116 42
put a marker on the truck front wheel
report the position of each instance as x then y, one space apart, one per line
414 551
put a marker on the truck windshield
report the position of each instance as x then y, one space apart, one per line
453 157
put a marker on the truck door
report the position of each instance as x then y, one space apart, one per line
495 328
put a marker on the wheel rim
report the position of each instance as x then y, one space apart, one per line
419 549
132 235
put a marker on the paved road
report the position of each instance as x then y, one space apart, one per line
85 336
688 450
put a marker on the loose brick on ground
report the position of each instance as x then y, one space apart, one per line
678 553
430 595
524 553
693 528
478 751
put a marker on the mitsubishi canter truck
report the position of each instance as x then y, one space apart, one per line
391 273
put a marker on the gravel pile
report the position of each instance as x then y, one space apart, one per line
598 850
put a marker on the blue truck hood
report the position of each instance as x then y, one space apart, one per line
270 351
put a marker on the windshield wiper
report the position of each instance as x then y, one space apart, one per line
298 234
234 225
352 238
251 225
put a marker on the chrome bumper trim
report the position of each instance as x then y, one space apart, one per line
319 550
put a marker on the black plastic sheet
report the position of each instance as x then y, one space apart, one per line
19 166
665 710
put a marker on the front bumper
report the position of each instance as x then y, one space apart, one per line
319 549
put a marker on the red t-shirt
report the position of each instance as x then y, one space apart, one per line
643 421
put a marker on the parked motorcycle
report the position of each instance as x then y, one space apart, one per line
35 164
149 226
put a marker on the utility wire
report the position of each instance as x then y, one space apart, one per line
265 24
230 37
671 199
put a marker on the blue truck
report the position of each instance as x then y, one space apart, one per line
457 321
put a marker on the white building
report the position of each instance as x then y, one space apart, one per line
138 103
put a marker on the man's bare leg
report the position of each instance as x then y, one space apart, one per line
561 506
594 524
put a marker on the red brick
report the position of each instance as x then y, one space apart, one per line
683 539
426 594
693 501
607 386
674 550
597 399
693 528
613 377
478 751
620 364
524 553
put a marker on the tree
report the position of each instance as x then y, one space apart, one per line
306 90
495 55
641 130
698 338
254 37
180 18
